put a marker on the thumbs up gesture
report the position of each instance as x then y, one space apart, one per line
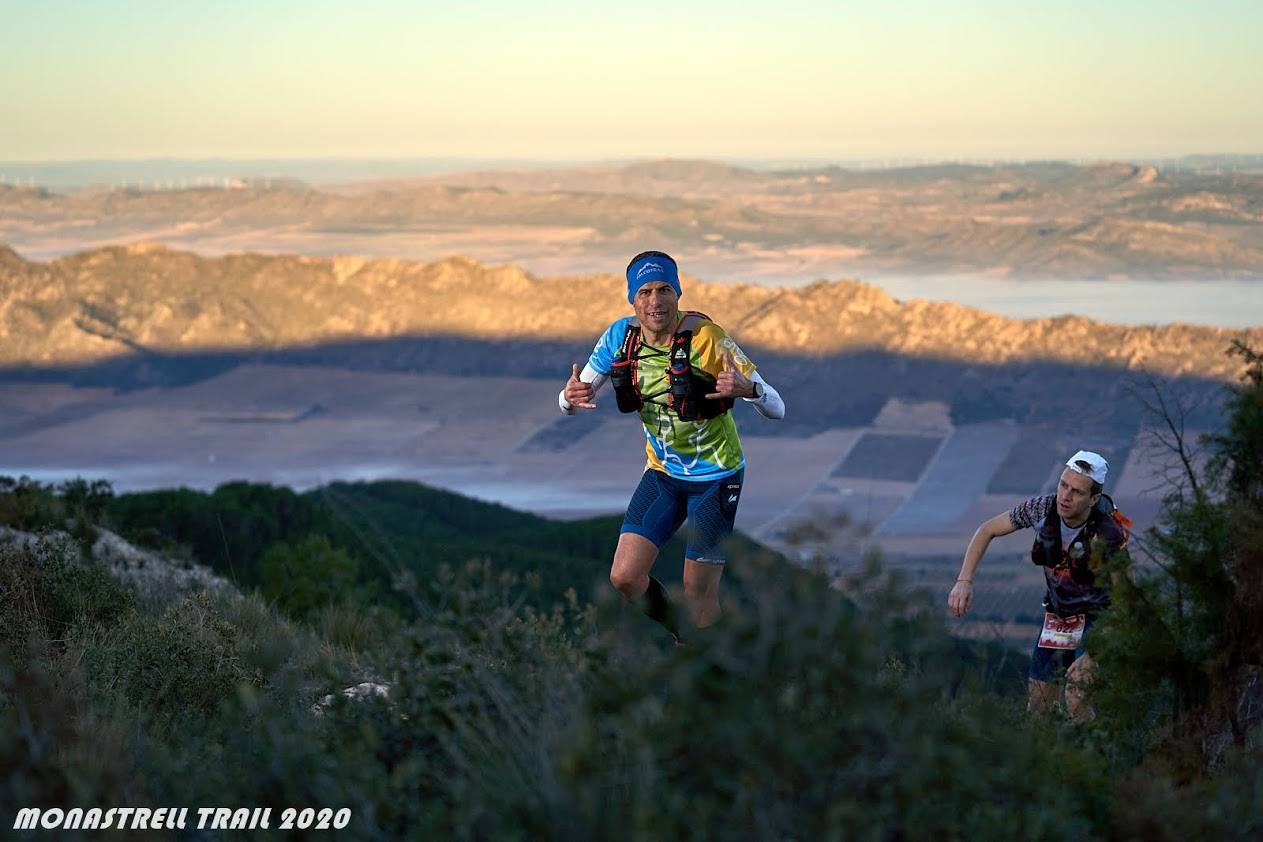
578 393
731 383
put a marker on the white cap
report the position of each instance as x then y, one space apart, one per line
1097 469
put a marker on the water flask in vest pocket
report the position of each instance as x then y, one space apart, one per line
680 376
625 392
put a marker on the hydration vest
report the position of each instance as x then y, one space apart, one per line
687 389
1106 523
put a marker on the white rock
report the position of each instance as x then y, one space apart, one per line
359 692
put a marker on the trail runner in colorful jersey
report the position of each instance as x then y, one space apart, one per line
681 372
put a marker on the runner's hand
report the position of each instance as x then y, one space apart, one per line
578 393
961 597
731 383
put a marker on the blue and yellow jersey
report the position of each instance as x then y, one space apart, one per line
689 450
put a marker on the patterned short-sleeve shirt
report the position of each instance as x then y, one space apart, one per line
688 450
1029 514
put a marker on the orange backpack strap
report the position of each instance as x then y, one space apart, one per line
1125 523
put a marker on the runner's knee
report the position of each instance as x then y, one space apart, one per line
630 583
1081 670
1078 680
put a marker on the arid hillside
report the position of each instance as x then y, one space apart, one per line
147 298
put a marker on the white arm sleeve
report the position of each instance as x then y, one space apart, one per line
588 375
770 404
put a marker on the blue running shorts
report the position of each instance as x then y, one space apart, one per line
661 503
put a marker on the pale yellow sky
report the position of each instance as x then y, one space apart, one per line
582 80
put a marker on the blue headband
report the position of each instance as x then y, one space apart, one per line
651 268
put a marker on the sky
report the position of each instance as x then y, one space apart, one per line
589 81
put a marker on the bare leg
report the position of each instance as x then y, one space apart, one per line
630 576
701 591
1078 680
1040 696
633 559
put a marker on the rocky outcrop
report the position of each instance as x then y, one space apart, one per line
154 577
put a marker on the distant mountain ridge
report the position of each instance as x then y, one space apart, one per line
146 297
1050 219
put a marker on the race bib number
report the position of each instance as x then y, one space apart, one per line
1062 632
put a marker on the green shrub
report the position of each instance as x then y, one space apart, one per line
1153 804
30 505
56 750
186 660
46 588
27 505
805 715
21 580
357 626
1184 637
259 750
302 579
296 662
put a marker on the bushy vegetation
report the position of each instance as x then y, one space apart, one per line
47 589
1183 643
804 714
303 579
525 703
77 504
387 530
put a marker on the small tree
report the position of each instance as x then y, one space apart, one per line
86 500
1180 649
302 579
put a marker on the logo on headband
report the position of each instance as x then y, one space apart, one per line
647 267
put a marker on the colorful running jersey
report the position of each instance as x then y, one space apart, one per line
688 450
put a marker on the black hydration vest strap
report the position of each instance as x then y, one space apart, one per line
1047 551
680 375
687 389
624 374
